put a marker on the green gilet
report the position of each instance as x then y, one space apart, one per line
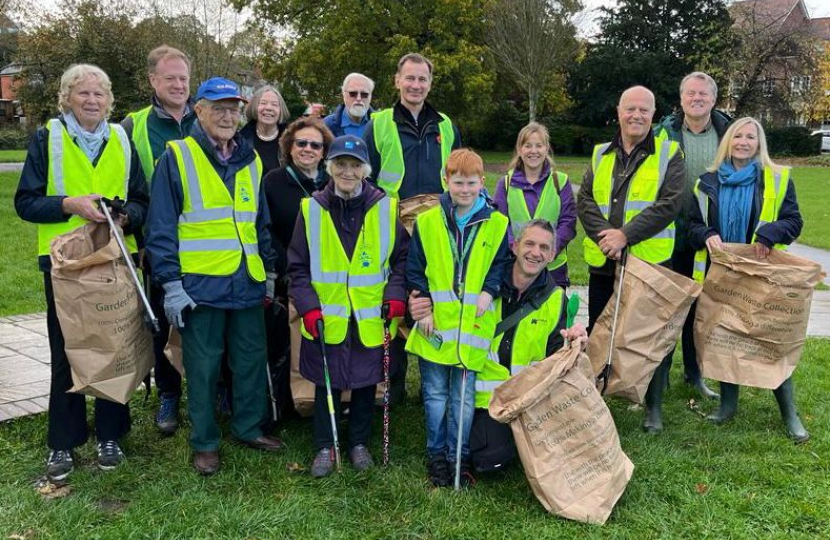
388 145
71 174
465 337
215 229
351 287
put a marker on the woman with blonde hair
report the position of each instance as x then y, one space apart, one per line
746 198
72 162
534 189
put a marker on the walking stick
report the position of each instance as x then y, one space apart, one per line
386 360
606 371
328 393
460 431
105 205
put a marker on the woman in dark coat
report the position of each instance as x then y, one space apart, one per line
733 205
267 116
354 354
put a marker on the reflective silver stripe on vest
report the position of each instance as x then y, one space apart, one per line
335 310
604 208
193 188
250 249
700 266
385 248
255 177
600 153
128 155
56 155
471 299
317 274
389 177
474 341
663 163
210 245
207 214
367 313
443 296
703 204
777 178
665 233
245 217
637 205
486 386
367 280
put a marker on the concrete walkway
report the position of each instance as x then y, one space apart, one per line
10 167
24 355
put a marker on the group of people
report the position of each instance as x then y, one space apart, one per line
305 215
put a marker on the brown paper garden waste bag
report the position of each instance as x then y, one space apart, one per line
654 304
101 316
565 436
412 207
751 319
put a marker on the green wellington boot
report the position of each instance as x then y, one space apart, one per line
785 395
653 422
728 403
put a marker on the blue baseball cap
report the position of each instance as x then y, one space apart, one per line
349 145
218 88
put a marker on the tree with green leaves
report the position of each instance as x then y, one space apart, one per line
652 43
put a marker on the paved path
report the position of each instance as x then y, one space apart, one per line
814 254
10 167
24 355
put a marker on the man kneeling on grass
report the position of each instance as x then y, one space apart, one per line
533 315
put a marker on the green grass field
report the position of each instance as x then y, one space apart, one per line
813 191
12 156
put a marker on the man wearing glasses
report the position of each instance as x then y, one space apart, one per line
352 116
410 143
210 248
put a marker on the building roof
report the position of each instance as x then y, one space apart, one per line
11 69
821 27
768 12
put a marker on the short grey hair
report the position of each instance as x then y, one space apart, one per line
367 169
356 75
253 105
77 73
703 77
538 223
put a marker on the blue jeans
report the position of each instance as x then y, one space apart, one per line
441 387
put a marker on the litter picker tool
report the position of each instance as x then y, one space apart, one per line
606 371
329 398
115 207
387 338
460 431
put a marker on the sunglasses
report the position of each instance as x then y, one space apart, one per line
354 93
302 143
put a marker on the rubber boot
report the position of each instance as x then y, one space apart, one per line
653 422
728 403
785 395
704 391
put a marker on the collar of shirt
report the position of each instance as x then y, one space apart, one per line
223 156
685 127
519 179
346 120
162 113
647 144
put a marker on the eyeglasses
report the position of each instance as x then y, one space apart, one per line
222 110
354 93
302 143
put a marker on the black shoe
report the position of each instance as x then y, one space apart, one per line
438 470
109 455
167 417
466 479
59 464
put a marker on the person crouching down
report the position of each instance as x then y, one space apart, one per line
346 265
457 255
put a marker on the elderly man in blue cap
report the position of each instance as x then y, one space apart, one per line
210 249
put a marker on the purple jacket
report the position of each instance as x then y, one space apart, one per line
351 365
566 224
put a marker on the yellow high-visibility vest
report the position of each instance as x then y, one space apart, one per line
141 140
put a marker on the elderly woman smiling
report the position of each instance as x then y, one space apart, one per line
349 228
73 161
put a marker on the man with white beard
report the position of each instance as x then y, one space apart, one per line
351 117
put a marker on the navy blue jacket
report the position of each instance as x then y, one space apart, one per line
416 262
421 150
237 291
332 121
33 205
783 231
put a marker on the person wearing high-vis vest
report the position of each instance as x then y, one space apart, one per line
746 198
533 189
534 306
698 128
456 258
346 264
210 250
169 117
409 144
630 196
73 161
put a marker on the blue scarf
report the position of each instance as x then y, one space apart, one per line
461 221
737 190
89 142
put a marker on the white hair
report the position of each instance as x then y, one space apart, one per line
351 76
367 169
77 73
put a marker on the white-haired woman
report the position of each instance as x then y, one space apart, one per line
73 161
267 115
746 198
345 261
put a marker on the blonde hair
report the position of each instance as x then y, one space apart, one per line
76 74
524 135
725 148
253 105
699 75
163 52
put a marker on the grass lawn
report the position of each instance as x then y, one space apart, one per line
812 186
21 284
742 480
12 156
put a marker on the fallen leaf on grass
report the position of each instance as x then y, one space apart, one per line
28 535
701 488
52 491
695 407
293 466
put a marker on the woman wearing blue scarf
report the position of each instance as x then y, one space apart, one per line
735 187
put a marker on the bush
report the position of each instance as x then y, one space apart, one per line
792 141
14 139
572 140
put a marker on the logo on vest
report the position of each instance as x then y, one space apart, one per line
365 259
538 321
246 197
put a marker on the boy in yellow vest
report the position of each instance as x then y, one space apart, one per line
457 255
